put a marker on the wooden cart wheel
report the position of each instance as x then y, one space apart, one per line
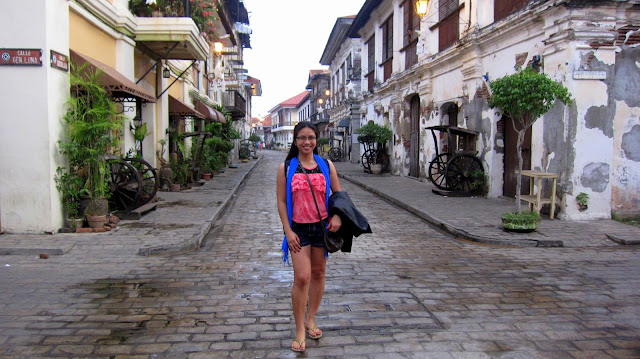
335 154
125 185
150 182
367 159
437 171
460 172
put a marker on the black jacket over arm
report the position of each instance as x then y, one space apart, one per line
353 222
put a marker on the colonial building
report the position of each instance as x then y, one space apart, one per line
437 71
320 100
162 70
343 56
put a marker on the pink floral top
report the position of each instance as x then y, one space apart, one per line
304 210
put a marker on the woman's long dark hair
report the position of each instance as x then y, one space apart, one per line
293 151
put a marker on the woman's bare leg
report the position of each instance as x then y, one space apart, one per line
300 291
316 287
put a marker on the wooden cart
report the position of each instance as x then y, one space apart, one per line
456 169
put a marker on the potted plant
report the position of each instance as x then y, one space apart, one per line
374 138
180 169
583 200
524 97
92 129
322 142
71 187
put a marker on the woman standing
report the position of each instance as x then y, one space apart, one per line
302 227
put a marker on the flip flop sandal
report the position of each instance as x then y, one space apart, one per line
315 330
301 347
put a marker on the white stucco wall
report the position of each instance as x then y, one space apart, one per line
32 99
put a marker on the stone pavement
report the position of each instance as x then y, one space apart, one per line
183 218
478 219
179 223
408 290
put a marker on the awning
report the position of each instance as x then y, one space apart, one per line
345 123
179 108
112 80
209 112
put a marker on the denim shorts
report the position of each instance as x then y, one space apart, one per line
309 233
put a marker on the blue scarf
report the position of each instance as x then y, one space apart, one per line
293 165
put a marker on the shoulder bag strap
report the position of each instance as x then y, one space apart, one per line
312 192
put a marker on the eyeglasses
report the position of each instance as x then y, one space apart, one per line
304 138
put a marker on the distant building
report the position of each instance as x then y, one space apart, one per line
285 117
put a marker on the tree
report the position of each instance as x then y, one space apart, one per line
523 97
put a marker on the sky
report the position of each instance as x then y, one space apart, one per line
287 40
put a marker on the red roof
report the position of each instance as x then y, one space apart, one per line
316 72
295 100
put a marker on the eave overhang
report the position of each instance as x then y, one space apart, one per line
363 16
176 38
336 39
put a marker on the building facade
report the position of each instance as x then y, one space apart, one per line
437 71
343 56
161 71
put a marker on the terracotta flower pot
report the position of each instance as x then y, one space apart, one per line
96 221
206 176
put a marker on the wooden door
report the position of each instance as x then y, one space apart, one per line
511 159
414 150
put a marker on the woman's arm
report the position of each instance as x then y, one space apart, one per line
333 175
281 197
335 222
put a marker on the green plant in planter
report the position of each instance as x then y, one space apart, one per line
372 132
180 171
218 147
321 142
583 200
92 129
523 221
478 182
71 187
524 97
180 165
244 152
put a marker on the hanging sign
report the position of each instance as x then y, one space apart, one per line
59 61
21 57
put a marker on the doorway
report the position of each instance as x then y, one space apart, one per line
414 149
511 158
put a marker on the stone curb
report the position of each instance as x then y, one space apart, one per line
195 241
623 240
37 250
458 232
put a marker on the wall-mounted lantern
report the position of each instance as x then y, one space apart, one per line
166 73
422 7
217 47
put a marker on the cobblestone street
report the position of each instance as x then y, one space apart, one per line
409 290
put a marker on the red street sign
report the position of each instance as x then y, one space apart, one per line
59 61
21 57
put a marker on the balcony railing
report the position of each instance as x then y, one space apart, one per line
283 124
235 103
317 118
